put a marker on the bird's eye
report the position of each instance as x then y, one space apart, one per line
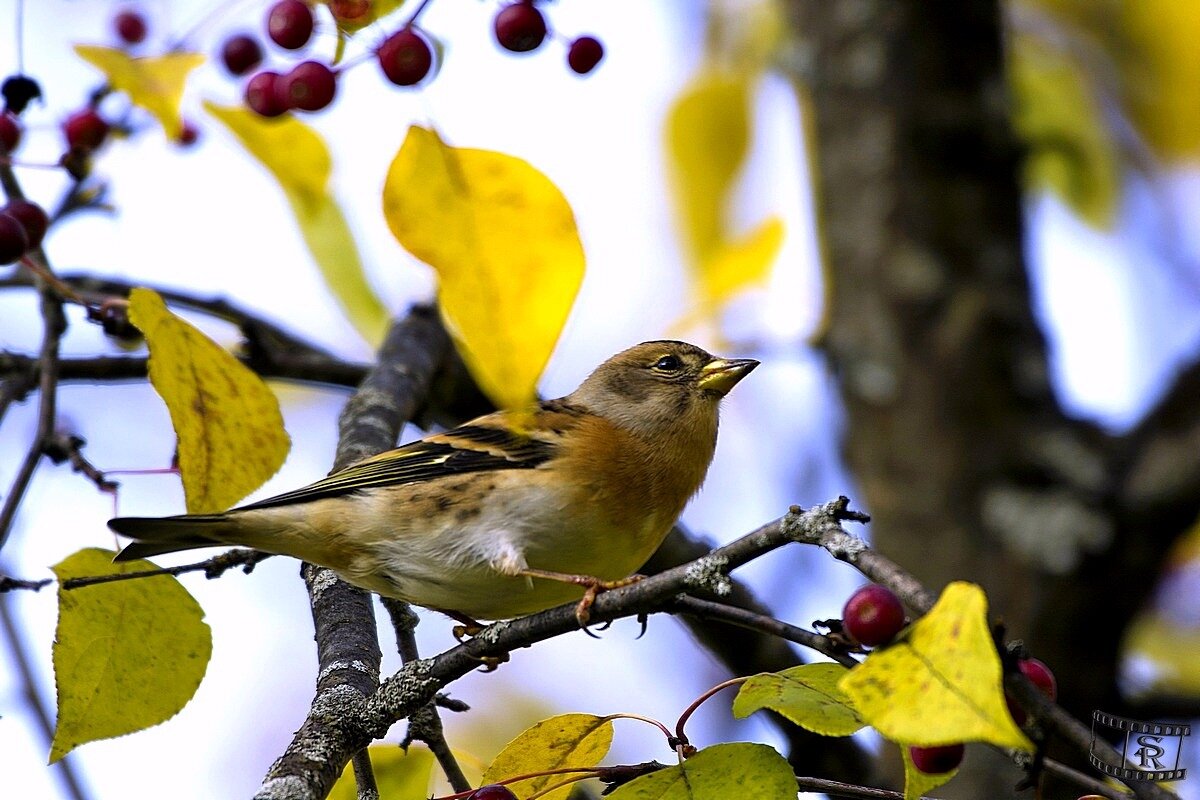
668 364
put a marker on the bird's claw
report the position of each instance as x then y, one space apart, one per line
583 611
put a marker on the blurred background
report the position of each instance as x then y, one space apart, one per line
979 322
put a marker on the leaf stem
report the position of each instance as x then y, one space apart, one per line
681 740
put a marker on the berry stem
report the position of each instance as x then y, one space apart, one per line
416 15
562 783
42 271
680 736
666 731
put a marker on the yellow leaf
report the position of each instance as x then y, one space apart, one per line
231 436
708 138
941 684
127 654
1071 150
568 740
1160 67
740 264
917 784
154 83
807 695
399 774
503 241
299 159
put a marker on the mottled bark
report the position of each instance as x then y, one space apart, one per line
968 464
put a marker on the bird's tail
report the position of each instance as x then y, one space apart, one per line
158 535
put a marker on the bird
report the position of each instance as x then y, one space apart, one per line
508 514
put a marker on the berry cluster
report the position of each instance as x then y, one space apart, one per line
873 616
406 56
22 226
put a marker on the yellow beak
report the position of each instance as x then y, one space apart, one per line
722 374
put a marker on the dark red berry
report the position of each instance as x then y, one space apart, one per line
32 218
290 24
873 615
310 86
1042 678
241 53
351 12
262 94
13 241
130 26
189 134
405 57
10 132
85 130
584 54
493 791
520 27
936 760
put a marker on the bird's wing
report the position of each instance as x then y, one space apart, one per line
481 445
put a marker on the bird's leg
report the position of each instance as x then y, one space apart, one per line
592 587
471 627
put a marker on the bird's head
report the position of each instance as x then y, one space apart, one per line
656 386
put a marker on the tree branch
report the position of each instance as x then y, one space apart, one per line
347 647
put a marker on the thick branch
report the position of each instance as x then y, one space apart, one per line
347 647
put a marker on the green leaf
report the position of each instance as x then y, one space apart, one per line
127 654
231 436
400 774
942 683
807 695
720 772
568 740
503 241
299 159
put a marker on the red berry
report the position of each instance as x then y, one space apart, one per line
936 760
32 218
241 53
405 57
10 132
520 27
584 54
13 241
130 26
189 134
262 94
290 24
85 130
310 86
1042 678
351 12
493 791
873 615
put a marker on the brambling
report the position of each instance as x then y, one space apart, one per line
507 514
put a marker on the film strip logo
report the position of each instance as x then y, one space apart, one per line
1149 751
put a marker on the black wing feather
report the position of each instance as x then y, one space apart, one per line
422 461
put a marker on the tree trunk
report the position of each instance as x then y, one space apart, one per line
968 465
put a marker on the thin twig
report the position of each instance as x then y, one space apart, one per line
16 646
426 725
364 776
734 615
8 584
212 568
